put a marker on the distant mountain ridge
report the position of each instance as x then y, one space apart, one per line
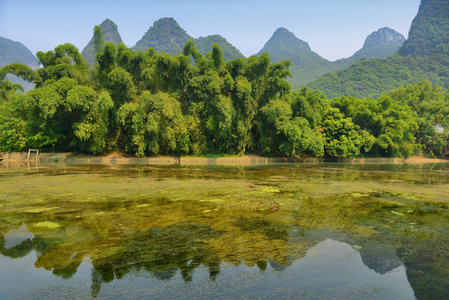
308 66
167 36
423 56
164 36
429 32
16 52
110 34
380 44
384 37
204 46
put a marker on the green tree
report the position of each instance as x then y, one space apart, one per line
13 136
98 40
285 135
388 126
430 103
341 137
65 113
64 61
154 125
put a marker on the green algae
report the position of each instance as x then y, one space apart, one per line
48 225
397 213
270 190
40 209
162 218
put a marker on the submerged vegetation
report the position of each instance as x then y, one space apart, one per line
216 227
149 103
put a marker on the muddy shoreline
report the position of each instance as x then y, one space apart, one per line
72 158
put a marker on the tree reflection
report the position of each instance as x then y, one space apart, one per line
155 223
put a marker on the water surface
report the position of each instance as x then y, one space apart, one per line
302 231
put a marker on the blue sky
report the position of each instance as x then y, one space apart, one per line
334 29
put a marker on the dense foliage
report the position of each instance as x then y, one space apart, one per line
149 103
429 30
307 66
15 52
109 34
204 44
424 55
165 35
373 77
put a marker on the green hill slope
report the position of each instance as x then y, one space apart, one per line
372 77
379 44
429 33
167 36
164 36
110 34
424 55
16 52
306 65
204 46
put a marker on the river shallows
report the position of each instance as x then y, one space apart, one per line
303 231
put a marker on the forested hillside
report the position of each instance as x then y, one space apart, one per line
379 44
204 46
424 55
307 66
110 35
164 36
429 33
16 52
150 103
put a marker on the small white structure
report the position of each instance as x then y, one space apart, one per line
29 154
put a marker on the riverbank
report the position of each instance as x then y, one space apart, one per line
120 159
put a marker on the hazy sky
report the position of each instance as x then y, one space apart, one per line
334 29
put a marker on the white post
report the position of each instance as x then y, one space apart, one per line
29 154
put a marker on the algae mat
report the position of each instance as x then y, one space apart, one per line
308 231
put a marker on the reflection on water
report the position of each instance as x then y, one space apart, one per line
288 231
16 237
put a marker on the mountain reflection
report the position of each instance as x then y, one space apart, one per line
187 248
359 231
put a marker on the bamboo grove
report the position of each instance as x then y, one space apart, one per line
148 103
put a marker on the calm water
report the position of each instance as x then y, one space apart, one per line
291 231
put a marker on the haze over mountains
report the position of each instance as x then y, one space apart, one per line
167 36
379 44
423 56
16 52
111 35
308 65
386 60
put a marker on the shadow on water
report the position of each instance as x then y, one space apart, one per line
370 231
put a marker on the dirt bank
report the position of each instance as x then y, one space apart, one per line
118 158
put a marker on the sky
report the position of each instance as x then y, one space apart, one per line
334 29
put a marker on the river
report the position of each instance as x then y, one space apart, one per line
281 230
